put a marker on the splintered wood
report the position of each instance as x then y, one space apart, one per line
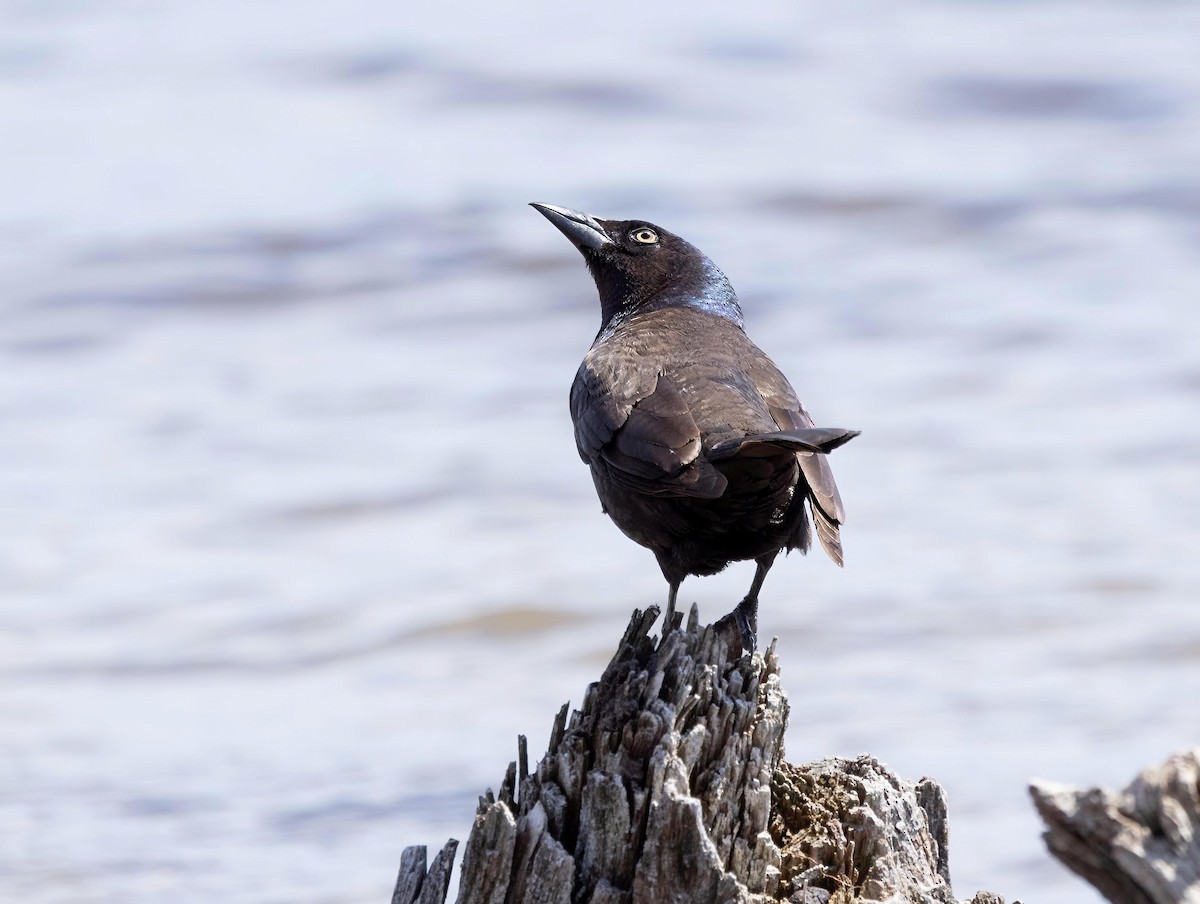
1137 846
659 790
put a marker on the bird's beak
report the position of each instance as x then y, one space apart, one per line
583 231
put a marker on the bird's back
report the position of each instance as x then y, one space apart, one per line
728 383
702 514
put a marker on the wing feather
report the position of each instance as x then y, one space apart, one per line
645 438
823 496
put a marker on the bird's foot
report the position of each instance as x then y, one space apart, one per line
745 617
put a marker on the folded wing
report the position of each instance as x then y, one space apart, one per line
638 430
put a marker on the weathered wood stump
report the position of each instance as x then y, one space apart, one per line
668 786
1137 846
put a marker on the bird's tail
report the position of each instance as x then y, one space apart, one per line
828 532
825 502
799 439
823 498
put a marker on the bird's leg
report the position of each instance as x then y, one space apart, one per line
674 579
670 616
746 612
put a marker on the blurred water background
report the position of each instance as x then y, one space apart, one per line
295 538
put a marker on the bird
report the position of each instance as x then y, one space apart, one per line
699 448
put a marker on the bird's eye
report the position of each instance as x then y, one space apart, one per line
645 236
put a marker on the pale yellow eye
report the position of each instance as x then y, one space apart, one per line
645 236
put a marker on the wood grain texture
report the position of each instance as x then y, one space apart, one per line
668 786
1137 846
412 874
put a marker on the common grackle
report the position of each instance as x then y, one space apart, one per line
698 446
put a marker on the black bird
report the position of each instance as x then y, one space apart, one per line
698 446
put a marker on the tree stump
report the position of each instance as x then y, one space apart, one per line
1137 846
668 786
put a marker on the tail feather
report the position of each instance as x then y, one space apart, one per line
829 533
813 444
800 439
822 487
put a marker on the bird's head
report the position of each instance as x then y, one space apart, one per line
638 266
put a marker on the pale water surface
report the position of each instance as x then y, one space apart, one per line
295 538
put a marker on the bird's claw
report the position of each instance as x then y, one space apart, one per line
747 628
745 618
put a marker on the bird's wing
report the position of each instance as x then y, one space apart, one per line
789 414
633 424
814 465
823 495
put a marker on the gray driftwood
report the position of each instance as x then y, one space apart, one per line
1137 846
668 786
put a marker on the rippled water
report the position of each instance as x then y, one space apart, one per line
296 539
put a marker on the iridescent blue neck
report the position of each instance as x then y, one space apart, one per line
701 286
714 295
